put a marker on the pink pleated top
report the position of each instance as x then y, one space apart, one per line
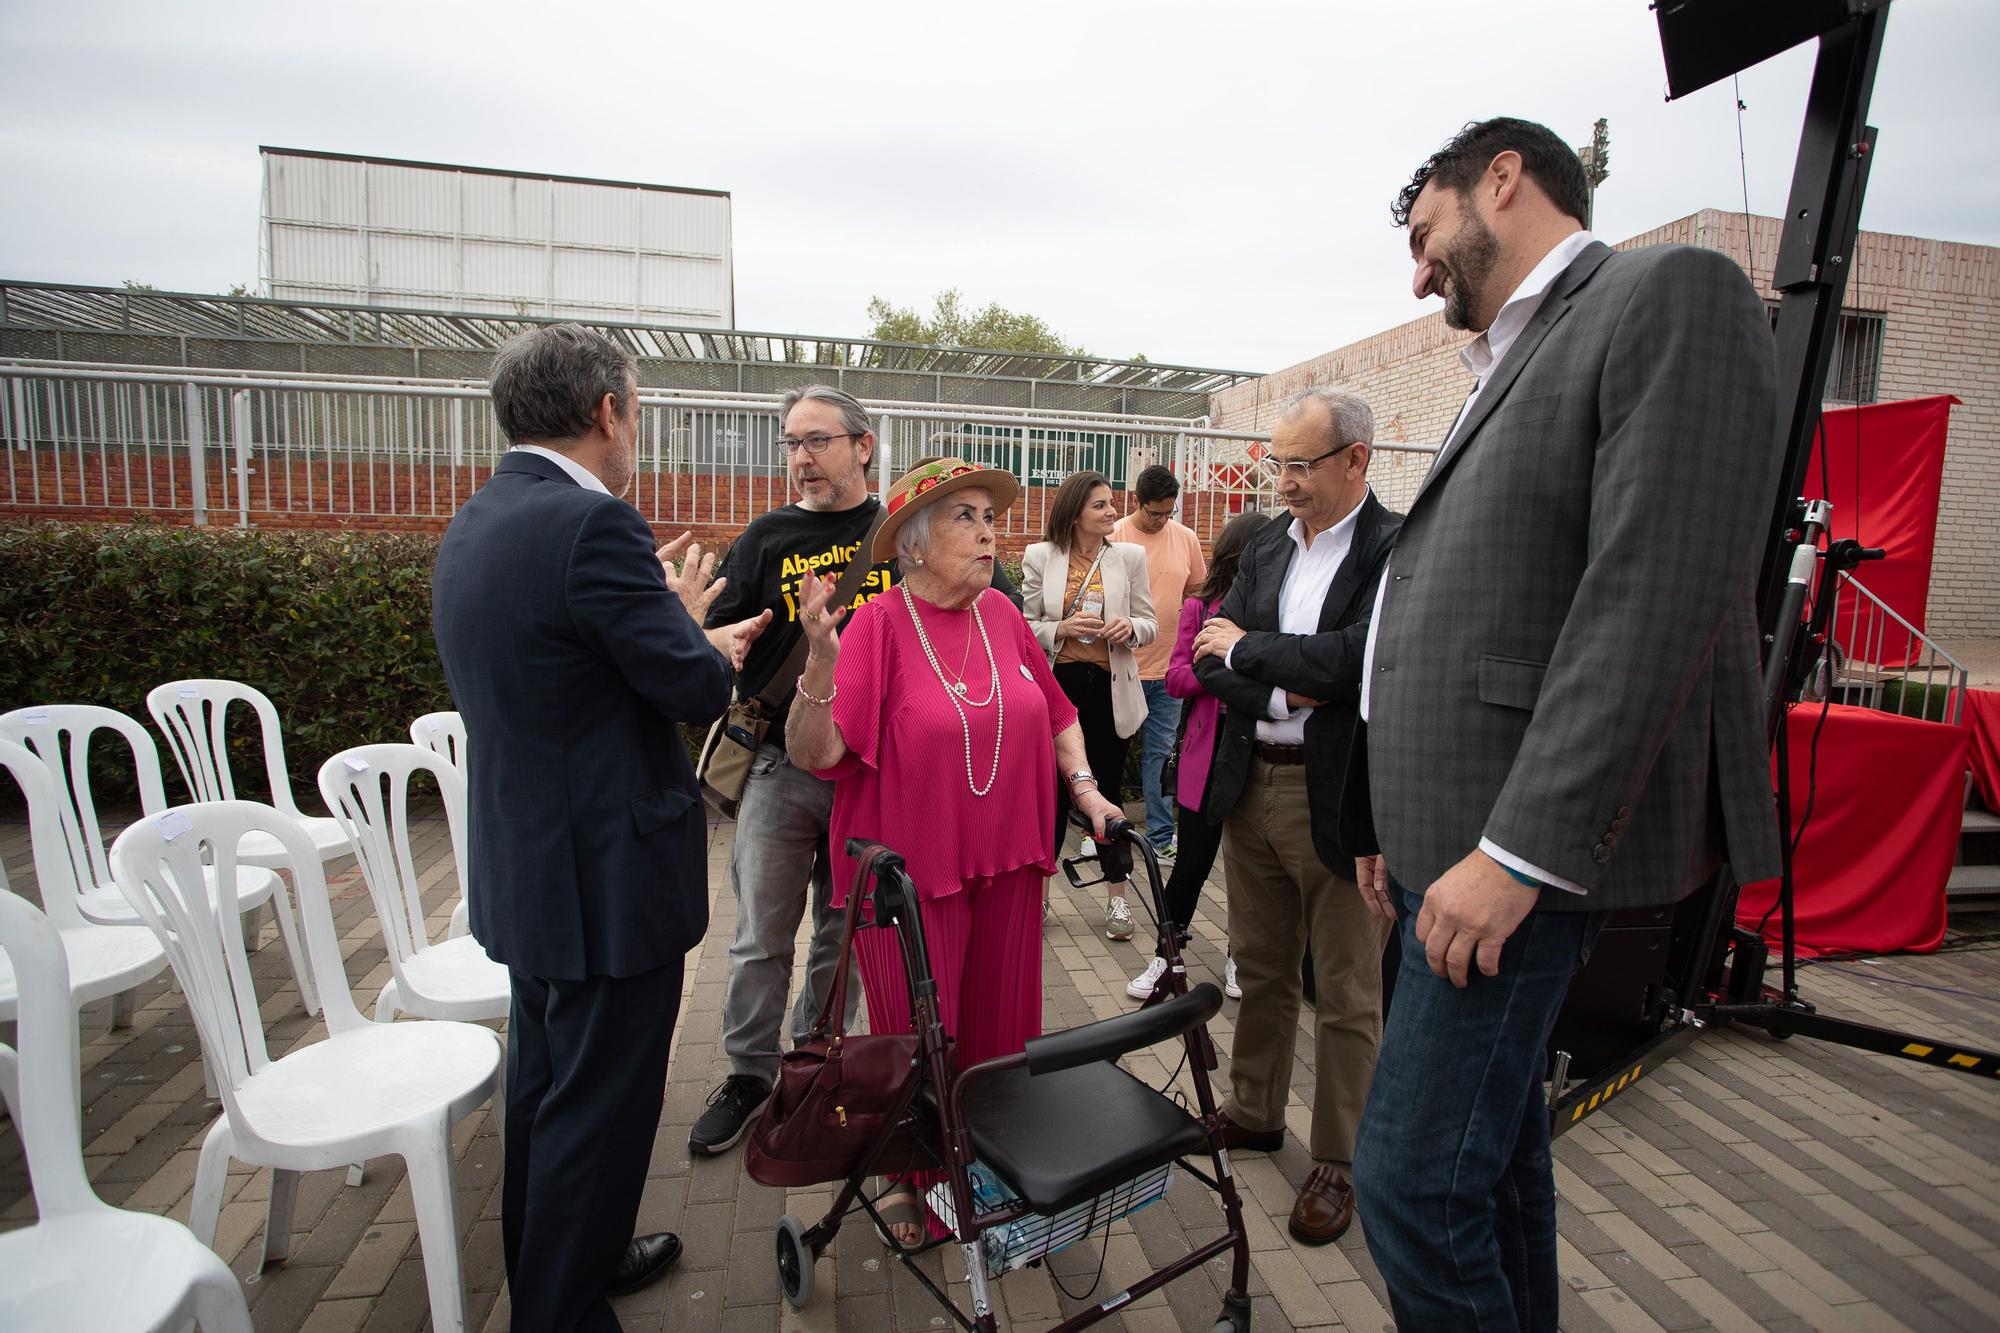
903 781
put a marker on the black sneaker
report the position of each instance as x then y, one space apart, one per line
731 1108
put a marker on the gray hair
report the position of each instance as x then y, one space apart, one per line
1352 420
548 381
914 537
853 416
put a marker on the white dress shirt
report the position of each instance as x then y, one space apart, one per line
1300 599
1480 356
578 473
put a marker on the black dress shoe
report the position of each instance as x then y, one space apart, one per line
1238 1139
646 1260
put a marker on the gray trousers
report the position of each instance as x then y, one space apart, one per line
780 854
1282 897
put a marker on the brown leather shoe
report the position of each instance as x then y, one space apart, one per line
1325 1208
1238 1139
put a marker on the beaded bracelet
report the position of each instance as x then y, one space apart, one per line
812 698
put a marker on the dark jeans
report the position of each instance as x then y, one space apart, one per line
586 1073
1452 1173
1199 842
1089 688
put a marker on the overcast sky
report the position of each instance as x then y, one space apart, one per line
1205 184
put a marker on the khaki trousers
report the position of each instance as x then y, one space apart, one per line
1281 895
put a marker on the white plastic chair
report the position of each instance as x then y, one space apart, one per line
444 734
368 1090
99 961
368 790
60 736
192 715
84 1264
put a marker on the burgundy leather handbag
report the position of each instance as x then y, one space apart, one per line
837 1094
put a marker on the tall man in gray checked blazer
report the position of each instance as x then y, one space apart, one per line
1561 702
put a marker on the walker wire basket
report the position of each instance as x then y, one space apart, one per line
1026 1239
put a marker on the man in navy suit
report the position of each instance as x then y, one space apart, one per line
574 663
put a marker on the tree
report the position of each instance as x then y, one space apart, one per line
950 325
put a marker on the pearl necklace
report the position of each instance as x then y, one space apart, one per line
958 702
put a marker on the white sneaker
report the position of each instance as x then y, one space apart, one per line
1229 986
1118 921
1141 986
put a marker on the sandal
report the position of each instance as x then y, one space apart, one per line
899 1205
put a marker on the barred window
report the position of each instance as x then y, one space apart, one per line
1854 374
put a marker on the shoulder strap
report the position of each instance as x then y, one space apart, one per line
786 678
1088 574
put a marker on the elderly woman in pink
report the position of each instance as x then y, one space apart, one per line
937 717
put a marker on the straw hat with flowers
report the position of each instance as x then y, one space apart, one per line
930 482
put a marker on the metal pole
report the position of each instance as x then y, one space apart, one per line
887 466
240 424
197 465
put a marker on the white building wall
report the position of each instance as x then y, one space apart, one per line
376 232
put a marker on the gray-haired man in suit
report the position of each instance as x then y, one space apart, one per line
1561 698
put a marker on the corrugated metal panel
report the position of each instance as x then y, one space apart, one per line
439 237
666 283
497 272
427 265
506 206
315 258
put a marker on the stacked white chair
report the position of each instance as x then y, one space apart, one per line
368 1090
99 961
368 789
84 1264
60 735
444 734
193 716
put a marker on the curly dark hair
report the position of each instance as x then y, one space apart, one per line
1545 159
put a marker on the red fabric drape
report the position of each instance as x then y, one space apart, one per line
1886 805
1884 468
1982 718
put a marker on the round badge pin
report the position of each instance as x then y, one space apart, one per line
1026 674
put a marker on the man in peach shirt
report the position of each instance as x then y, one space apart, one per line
1177 567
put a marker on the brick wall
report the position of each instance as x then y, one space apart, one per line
1941 306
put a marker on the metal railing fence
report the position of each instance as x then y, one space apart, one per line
263 449
1881 660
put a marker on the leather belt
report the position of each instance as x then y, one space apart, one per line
1281 754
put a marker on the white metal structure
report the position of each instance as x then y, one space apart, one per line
83 1264
381 231
368 1090
102 960
368 789
444 734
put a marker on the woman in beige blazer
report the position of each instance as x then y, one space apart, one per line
1090 603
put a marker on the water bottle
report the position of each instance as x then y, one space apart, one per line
1092 604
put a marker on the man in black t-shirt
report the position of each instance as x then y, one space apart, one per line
781 825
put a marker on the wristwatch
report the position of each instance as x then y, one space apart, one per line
1080 775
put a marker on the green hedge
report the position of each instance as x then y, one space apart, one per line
1915 699
333 626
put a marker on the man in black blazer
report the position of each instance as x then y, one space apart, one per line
1283 653
574 663
1563 714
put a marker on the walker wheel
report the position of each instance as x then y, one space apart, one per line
795 1263
1235 1316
